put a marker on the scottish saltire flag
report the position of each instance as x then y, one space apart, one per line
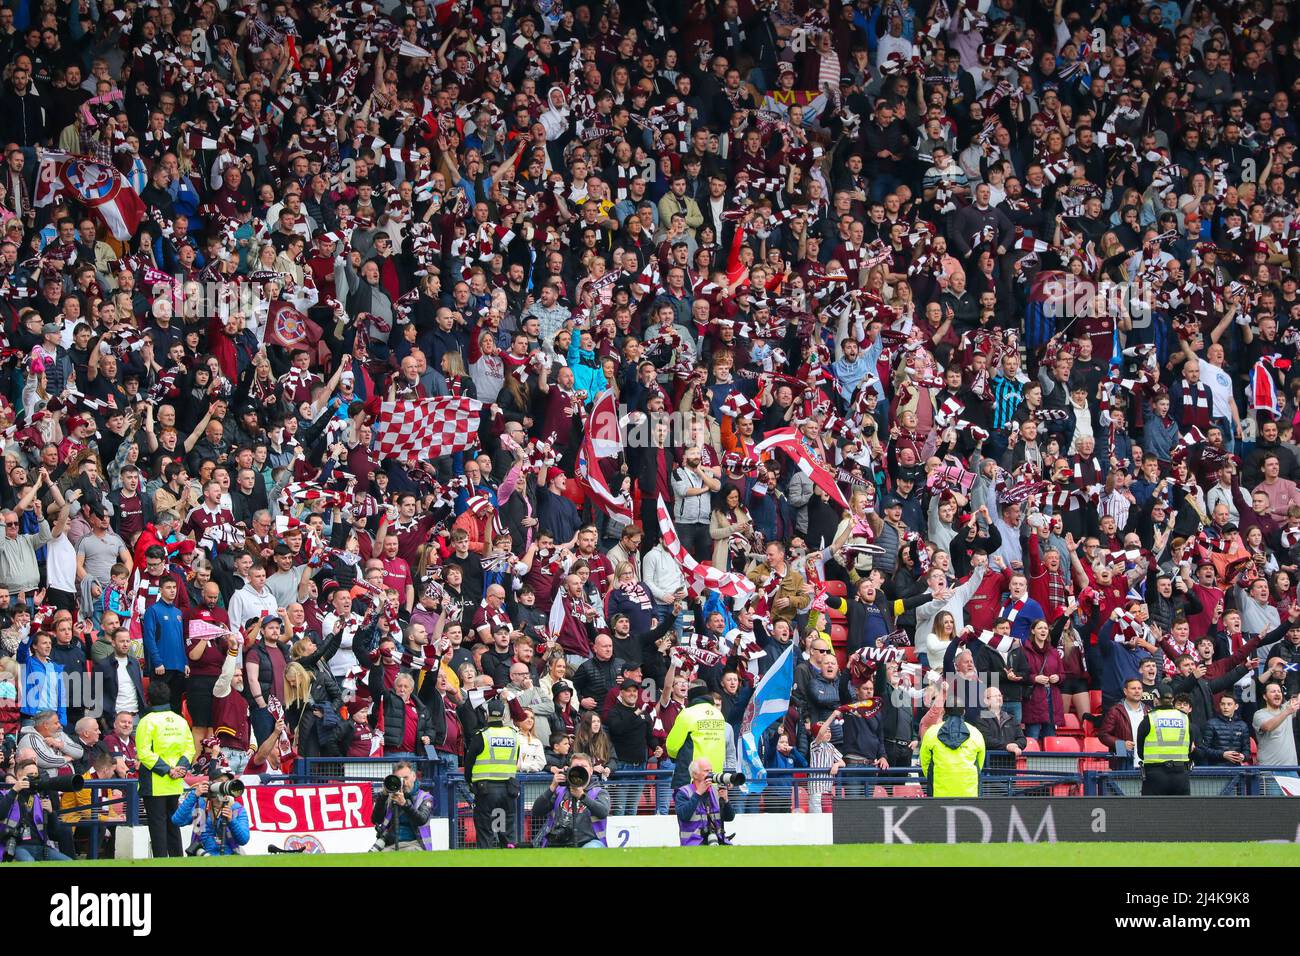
769 704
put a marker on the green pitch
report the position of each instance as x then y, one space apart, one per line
1059 854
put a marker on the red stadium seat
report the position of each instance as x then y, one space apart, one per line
839 635
1031 746
1068 726
837 589
909 655
1060 745
1091 745
909 791
842 657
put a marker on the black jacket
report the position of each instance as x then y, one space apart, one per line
863 736
395 714
1218 735
416 816
1000 732
629 731
595 678
108 668
1202 693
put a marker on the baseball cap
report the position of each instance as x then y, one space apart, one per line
627 682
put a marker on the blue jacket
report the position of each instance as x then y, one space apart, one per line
236 829
43 687
164 637
588 376
1119 662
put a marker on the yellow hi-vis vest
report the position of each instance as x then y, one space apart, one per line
1169 739
500 757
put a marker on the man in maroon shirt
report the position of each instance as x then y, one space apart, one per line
397 573
411 532
146 582
492 614
602 574
130 509
210 512
205 655
543 574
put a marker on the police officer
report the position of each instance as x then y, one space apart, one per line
164 746
1164 741
491 763
699 732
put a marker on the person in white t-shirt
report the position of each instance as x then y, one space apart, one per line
1219 383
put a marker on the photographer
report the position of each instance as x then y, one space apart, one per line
23 811
702 808
220 825
700 731
575 812
401 815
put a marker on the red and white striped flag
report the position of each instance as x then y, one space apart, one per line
699 577
602 440
1263 387
427 427
791 442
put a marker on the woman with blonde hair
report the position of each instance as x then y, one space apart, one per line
557 670
532 751
852 531
943 631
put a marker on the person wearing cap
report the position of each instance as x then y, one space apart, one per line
700 731
628 724
1164 743
491 766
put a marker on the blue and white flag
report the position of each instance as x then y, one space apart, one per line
769 704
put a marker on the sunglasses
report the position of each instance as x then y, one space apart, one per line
11 524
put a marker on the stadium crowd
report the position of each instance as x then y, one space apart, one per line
954 338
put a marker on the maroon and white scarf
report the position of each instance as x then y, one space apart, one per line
1011 610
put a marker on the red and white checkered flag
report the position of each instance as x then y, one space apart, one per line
427 427
700 578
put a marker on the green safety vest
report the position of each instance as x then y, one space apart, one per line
500 757
1169 739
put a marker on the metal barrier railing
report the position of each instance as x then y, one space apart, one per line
1248 781
649 792
97 810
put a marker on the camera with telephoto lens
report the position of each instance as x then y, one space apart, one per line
577 777
728 778
225 790
391 787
